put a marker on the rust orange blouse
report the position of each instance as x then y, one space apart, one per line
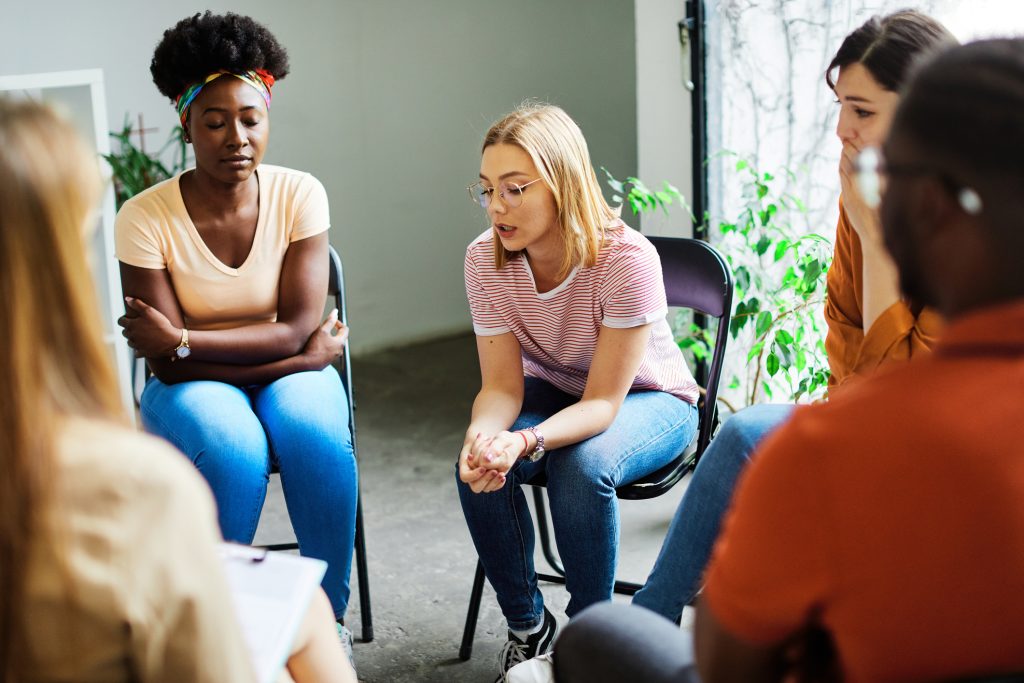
900 332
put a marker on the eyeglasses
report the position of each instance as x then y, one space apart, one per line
872 168
510 193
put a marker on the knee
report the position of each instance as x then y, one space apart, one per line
573 470
744 430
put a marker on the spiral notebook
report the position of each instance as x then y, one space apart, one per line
271 593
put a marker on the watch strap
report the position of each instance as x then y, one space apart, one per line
539 450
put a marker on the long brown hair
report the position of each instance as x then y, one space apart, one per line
559 151
53 364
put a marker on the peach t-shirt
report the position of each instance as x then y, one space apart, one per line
154 230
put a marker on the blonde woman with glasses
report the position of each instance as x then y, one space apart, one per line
581 379
109 569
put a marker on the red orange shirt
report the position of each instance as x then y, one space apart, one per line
893 516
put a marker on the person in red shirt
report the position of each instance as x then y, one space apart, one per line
888 522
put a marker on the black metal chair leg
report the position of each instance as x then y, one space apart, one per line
366 616
469 632
545 535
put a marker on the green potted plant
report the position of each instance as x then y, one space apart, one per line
776 330
134 169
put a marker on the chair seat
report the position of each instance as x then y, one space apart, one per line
650 486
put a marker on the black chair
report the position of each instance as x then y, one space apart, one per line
696 277
335 289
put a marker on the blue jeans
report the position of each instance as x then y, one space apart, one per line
299 424
676 576
650 430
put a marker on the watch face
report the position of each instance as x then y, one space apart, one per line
183 351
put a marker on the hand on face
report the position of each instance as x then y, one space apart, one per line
865 115
147 330
863 219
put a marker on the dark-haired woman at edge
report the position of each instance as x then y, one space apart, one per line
224 270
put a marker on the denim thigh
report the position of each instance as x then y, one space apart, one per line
214 425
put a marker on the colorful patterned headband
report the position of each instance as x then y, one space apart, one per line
259 79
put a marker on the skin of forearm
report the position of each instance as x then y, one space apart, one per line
881 283
251 344
578 422
493 411
173 372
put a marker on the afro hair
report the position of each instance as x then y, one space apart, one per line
202 44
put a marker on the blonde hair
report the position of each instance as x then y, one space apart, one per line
559 151
54 363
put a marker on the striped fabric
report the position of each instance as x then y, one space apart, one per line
558 330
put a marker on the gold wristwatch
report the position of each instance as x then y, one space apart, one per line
182 350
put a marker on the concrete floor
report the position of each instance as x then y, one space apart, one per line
412 409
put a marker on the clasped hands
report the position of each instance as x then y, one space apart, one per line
151 335
485 460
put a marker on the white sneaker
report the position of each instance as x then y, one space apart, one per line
517 651
537 670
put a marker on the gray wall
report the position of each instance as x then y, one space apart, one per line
664 138
387 103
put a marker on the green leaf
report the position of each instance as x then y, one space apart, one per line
614 184
762 190
801 359
783 337
742 277
812 271
762 245
772 365
767 389
786 355
754 350
738 319
764 322
781 247
741 164
734 383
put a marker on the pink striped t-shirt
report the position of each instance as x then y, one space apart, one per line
558 330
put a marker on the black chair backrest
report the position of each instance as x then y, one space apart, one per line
336 289
335 282
697 277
